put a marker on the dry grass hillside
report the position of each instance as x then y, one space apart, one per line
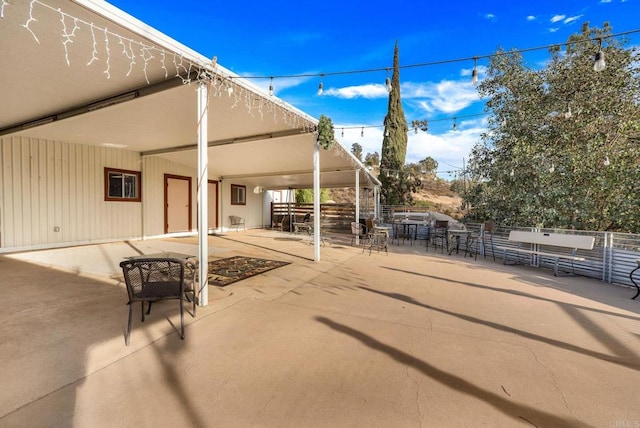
435 194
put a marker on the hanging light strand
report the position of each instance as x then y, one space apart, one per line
441 62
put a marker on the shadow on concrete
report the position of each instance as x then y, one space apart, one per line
613 301
518 412
57 329
629 361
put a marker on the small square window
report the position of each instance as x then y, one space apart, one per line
238 195
122 185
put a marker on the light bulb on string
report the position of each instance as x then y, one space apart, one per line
362 132
474 73
271 86
598 63
342 134
568 114
320 86
606 162
387 82
552 169
455 125
386 132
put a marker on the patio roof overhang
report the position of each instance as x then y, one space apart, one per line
85 72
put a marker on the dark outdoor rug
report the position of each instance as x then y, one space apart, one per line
227 271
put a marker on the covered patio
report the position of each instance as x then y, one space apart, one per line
90 91
407 339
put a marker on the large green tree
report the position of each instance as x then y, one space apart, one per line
397 184
561 148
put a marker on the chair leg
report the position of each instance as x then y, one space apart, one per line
128 333
181 319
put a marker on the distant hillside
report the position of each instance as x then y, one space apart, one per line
435 194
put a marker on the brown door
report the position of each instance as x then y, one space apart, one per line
212 208
177 199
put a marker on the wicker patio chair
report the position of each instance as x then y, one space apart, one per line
237 222
358 231
152 279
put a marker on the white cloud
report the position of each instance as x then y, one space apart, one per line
490 16
557 18
448 148
370 90
531 18
572 19
607 1
553 30
446 96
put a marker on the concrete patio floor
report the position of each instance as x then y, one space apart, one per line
409 339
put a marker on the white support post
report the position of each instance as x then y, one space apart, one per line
316 201
357 201
203 172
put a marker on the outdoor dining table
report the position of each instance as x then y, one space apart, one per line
408 229
164 255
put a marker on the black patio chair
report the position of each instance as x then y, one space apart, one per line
152 279
487 237
441 234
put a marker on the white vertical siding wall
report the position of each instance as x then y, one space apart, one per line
46 185
251 212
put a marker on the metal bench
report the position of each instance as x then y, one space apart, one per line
534 241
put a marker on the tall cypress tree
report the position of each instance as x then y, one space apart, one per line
395 187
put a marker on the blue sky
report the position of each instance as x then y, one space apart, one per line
285 38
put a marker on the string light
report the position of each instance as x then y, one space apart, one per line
148 53
106 44
568 114
362 132
387 82
2 5
474 73
441 62
607 162
455 125
598 63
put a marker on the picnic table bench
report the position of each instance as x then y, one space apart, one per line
534 240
